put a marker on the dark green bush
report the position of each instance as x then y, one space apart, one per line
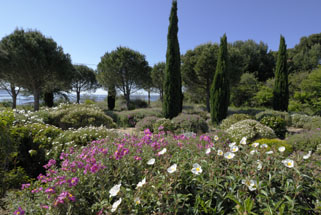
145 123
277 123
230 120
190 123
164 125
284 115
130 118
307 141
138 103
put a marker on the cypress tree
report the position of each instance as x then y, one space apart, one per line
173 98
281 86
111 98
220 89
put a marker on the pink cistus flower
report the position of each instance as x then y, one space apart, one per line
19 211
24 186
73 182
137 158
51 162
50 190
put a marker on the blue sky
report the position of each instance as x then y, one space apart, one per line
86 29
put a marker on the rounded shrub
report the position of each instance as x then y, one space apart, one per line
190 123
275 144
305 121
230 120
277 123
251 129
164 125
145 123
306 141
284 115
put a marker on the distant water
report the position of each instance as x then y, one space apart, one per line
21 99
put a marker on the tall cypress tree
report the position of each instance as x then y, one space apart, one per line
111 98
220 89
173 98
281 86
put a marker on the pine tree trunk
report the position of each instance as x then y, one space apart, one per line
148 98
14 97
36 97
78 97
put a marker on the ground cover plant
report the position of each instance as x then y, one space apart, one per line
168 174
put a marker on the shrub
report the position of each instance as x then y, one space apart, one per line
113 115
190 122
130 118
138 103
147 122
305 121
244 184
164 125
276 123
284 115
230 120
76 116
275 144
307 141
250 129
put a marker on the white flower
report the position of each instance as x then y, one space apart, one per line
172 168
216 138
137 200
219 152
269 152
208 151
307 156
281 149
243 141
115 205
141 183
234 149
253 185
288 163
114 190
229 155
151 161
253 152
162 152
263 146
197 169
255 145
231 144
259 165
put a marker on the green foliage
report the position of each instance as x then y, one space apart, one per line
164 125
190 123
130 118
147 122
275 144
125 69
264 96
306 141
305 121
157 75
246 184
284 115
220 89
173 97
281 88
250 129
244 92
277 123
232 119
76 116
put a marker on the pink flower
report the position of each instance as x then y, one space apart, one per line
50 190
24 186
19 211
73 182
137 158
50 163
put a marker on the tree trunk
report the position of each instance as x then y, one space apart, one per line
14 96
148 98
49 99
161 95
78 97
36 97
127 100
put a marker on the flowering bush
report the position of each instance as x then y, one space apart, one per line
164 125
147 122
232 119
284 115
276 123
157 174
250 129
190 122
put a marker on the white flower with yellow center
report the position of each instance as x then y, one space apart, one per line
243 141
172 168
114 190
253 186
281 149
307 156
247 182
234 149
259 164
162 152
232 144
288 163
220 152
137 200
197 169
141 183
151 161
115 205
229 155
255 145
208 151
216 138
